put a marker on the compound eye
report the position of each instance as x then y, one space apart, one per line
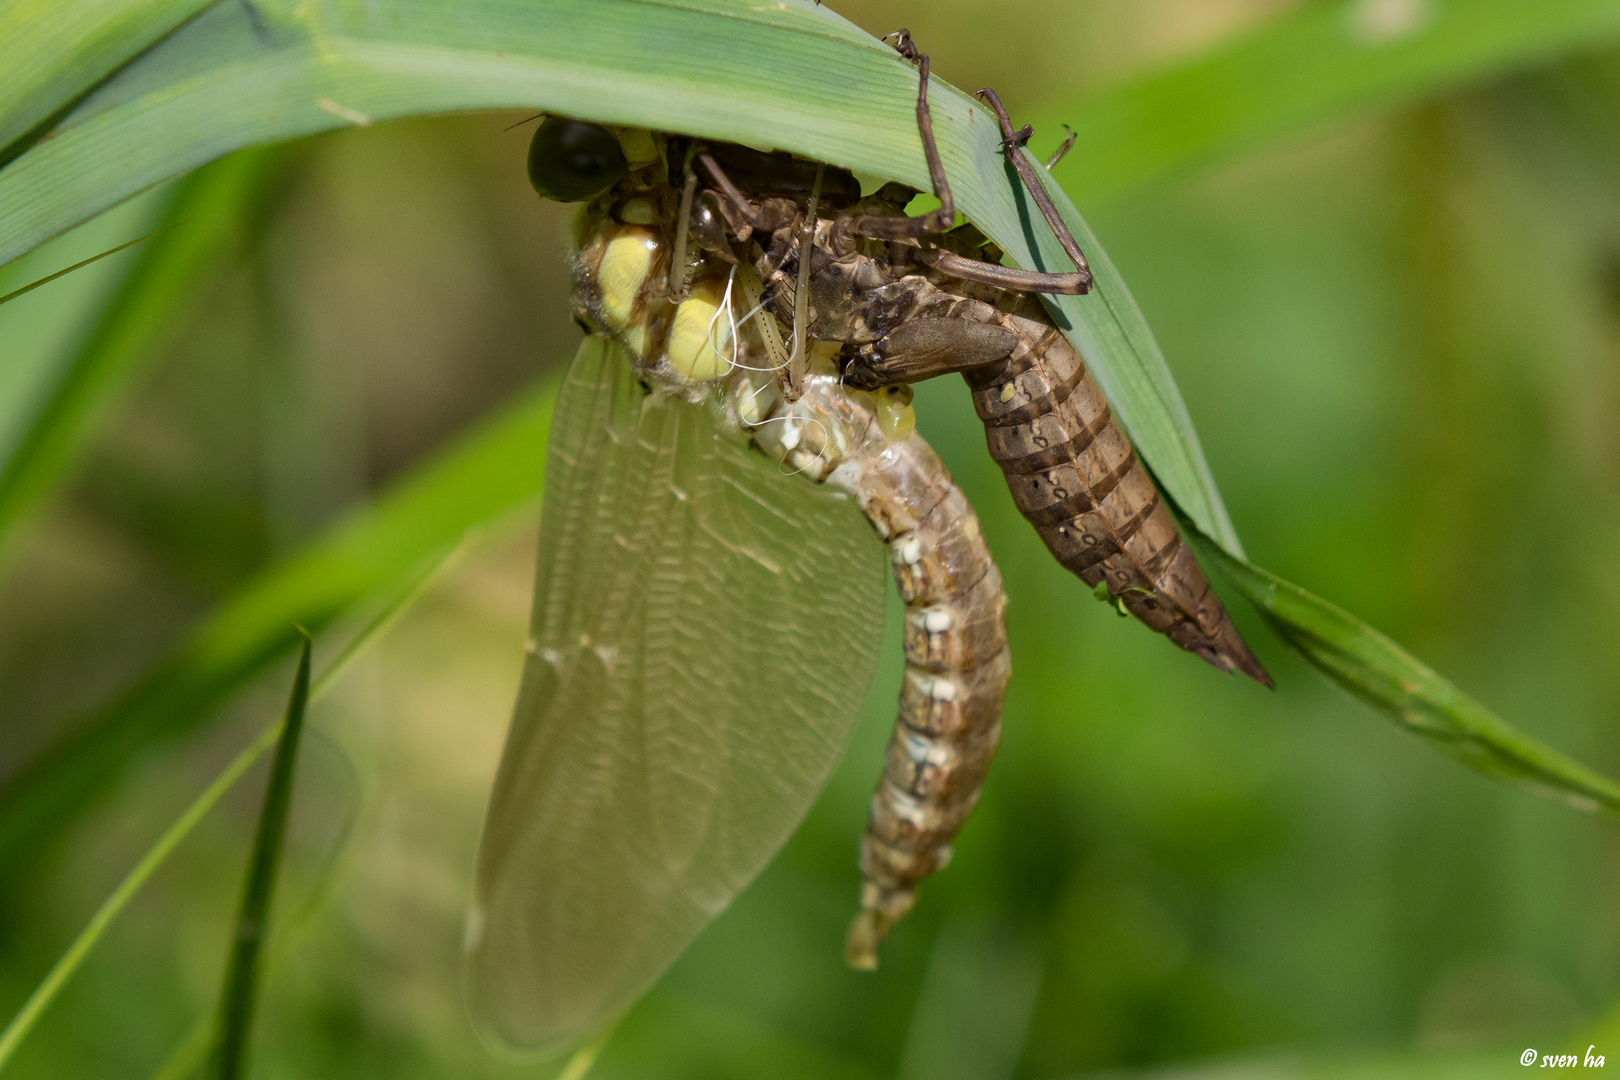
573 160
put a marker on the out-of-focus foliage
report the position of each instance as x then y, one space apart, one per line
1317 63
1398 338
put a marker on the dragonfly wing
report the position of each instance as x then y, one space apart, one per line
705 630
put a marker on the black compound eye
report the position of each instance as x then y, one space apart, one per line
573 160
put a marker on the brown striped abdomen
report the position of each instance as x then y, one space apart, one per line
957 664
1076 477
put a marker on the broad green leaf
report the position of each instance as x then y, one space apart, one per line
55 51
485 474
1324 62
788 75
1392 680
704 632
205 222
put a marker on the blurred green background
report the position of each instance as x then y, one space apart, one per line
1399 336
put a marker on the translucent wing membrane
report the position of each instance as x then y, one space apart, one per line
705 630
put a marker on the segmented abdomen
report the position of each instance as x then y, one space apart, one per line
957 664
1076 477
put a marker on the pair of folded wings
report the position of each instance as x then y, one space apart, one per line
705 630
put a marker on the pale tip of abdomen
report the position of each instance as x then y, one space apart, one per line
866 933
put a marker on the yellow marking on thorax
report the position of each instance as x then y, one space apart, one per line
620 277
700 336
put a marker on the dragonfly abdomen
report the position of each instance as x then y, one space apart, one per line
1075 476
957 666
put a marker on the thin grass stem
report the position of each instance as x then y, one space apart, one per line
110 908
241 990
70 960
48 278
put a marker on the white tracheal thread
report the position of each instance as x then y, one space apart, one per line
790 436
737 324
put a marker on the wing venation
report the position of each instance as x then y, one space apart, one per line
704 633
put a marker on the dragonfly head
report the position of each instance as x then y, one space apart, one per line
574 160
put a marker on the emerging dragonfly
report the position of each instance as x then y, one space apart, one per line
706 618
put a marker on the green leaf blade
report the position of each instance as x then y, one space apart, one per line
1392 680
55 51
190 1053
204 223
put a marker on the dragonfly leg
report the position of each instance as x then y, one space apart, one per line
882 227
678 265
1005 277
1013 142
887 227
1062 151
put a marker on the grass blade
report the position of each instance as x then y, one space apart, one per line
190 1053
203 225
81 264
241 988
585 1057
488 472
159 853
57 52
1324 62
1393 681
